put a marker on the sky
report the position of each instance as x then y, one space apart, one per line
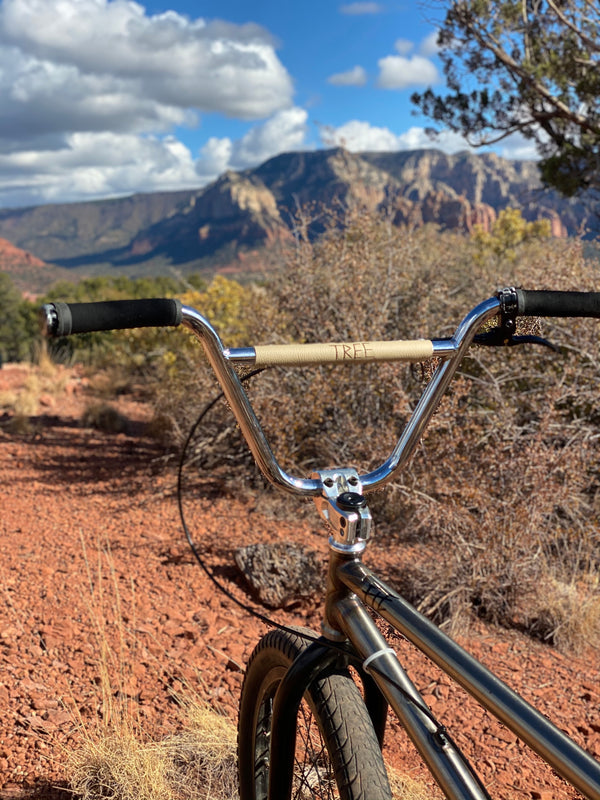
105 98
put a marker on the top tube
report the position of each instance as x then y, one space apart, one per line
451 351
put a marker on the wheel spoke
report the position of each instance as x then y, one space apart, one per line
313 773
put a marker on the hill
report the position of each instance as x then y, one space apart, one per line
29 274
245 211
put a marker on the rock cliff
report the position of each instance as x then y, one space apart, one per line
247 210
30 274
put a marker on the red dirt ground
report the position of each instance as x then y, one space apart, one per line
94 570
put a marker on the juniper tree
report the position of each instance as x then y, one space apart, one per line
527 66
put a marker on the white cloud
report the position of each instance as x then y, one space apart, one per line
97 64
90 91
403 46
352 77
418 139
429 46
399 72
361 8
361 136
285 131
95 164
215 157
101 164
517 147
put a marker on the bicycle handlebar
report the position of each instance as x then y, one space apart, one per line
63 319
60 319
557 304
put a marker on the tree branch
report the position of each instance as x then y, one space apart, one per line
590 43
516 69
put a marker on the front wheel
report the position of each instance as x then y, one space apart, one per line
337 753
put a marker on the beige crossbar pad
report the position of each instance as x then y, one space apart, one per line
291 355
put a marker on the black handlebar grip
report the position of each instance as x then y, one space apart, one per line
557 304
63 319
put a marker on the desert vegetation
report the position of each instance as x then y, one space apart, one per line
505 483
506 479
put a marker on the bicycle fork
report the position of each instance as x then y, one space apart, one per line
344 508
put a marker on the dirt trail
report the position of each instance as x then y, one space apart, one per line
102 603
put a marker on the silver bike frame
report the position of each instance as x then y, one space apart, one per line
449 767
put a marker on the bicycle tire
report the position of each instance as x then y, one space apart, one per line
346 762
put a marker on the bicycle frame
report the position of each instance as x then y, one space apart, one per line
352 589
449 767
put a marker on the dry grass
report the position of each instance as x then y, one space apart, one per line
120 767
405 788
568 614
203 756
196 764
117 757
42 378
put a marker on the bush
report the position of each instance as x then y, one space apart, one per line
505 482
18 323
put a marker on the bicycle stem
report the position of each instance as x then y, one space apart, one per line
451 351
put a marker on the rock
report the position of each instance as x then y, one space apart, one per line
282 573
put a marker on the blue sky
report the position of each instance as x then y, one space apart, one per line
103 98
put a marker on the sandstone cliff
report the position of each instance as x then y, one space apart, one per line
244 211
29 274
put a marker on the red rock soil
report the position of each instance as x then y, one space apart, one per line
90 532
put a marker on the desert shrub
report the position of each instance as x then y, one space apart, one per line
18 323
104 417
505 481
507 478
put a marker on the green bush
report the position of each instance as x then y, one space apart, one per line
18 323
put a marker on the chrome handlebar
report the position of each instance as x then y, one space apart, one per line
451 352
